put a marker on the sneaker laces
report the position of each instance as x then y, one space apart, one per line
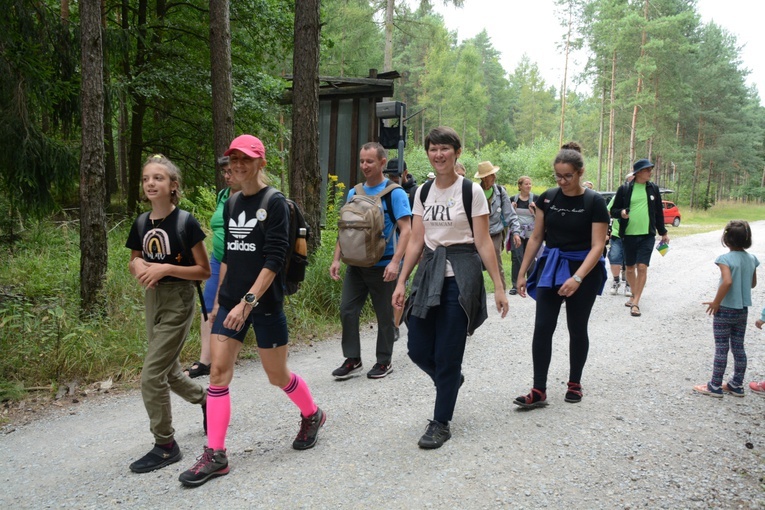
305 425
203 460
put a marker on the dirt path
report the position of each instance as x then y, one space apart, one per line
640 437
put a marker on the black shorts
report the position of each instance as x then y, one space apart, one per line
638 249
270 328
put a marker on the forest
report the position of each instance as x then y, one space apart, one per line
90 88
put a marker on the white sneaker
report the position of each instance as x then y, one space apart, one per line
627 291
615 288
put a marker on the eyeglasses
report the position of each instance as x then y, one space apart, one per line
566 178
225 173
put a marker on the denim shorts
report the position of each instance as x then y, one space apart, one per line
638 249
615 253
270 328
211 285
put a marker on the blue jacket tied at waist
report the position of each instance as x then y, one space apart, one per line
556 270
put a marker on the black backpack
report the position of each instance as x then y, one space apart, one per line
181 224
296 263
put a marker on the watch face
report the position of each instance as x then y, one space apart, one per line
249 298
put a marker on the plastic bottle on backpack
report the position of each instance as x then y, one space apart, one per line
301 246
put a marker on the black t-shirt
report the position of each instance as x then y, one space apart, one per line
161 244
256 237
568 226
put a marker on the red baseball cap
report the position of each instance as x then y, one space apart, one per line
249 145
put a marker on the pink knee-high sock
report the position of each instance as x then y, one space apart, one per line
297 390
218 416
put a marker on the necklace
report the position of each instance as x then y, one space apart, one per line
156 223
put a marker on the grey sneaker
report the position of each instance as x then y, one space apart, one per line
348 369
157 458
435 435
615 288
309 430
379 371
210 464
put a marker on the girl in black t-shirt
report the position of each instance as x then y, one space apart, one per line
250 295
167 255
572 221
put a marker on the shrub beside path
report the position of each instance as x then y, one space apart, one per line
639 438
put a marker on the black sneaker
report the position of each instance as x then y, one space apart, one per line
210 464
396 334
348 369
435 435
379 371
309 430
513 291
157 458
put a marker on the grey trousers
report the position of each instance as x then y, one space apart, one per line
169 312
360 282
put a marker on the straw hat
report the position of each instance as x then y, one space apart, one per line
485 169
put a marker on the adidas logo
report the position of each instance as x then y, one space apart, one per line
241 228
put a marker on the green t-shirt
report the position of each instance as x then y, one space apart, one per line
216 224
639 219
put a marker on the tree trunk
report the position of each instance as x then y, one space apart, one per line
305 172
601 128
565 77
388 63
633 130
612 124
697 165
135 154
110 161
220 76
93 244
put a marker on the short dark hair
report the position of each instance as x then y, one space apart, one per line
381 152
443 135
570 153
737 235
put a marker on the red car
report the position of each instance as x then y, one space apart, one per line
671 213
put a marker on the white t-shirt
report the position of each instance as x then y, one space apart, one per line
443 216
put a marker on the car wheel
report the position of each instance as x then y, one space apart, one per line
676 222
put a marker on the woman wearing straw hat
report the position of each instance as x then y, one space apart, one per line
501 213
450 230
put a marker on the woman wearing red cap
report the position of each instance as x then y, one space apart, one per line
250 294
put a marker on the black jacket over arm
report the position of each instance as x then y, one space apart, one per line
622 201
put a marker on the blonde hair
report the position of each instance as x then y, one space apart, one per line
173 173
521 179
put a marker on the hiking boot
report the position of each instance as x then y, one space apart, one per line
730 389
309 430
709 390
615 288
513 291
535 398
210 464
157 458
627 290
435 435
348 369
379 371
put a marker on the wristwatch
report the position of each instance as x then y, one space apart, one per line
250 299
576 278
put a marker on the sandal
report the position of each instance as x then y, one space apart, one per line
628 304
197 369
534 399
757 388
574 393
635 311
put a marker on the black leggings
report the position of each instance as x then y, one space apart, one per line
578 308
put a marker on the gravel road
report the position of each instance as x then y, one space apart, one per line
639 438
